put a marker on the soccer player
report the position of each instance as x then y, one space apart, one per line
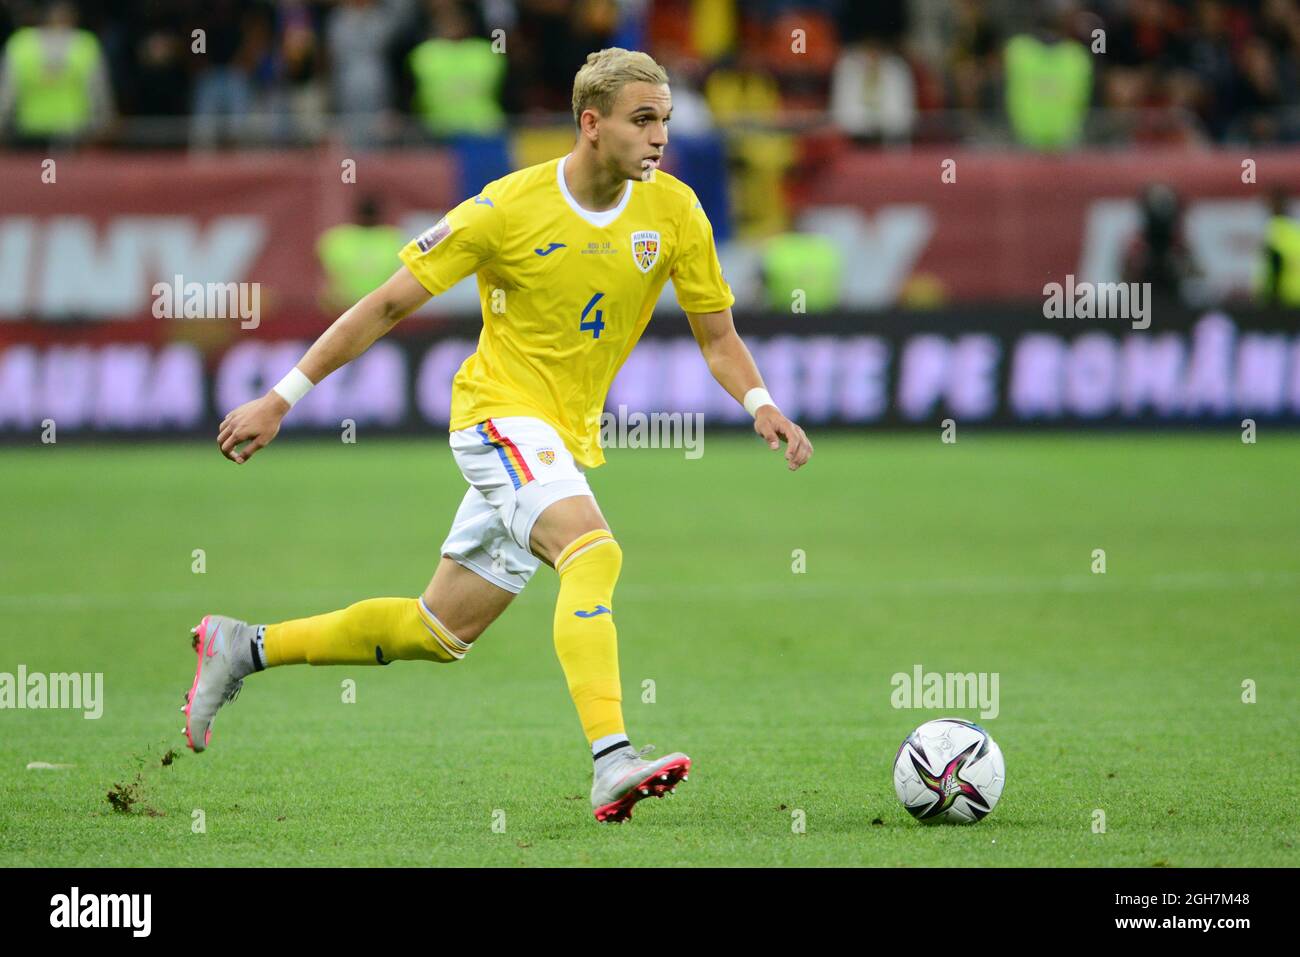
571 256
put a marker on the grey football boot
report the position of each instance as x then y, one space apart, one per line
627 778
222 644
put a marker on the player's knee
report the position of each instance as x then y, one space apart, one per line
597 554
561 522
438 640
466 625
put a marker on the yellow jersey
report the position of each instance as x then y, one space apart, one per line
565 292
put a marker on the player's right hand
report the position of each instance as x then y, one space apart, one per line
773 426
256 422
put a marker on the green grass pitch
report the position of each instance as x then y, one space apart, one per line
1119 692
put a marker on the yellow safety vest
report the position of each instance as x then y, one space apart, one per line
1283 237
51 102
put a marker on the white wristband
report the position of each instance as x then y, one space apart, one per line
755 398
293 386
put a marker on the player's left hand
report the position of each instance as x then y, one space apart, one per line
773 426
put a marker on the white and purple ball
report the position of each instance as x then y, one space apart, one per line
949 770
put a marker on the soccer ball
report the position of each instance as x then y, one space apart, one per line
949 770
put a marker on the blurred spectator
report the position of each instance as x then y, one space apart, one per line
802 263
1279 272
743 90
299 100
357 257
357 38
54 81
873 94
744 95
1158 254
458 77
155 59
552 42
1209 58
1258 95
1049 87
802 47
234 39
973 58
1172 71
1280 26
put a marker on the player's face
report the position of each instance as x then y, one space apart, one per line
635 134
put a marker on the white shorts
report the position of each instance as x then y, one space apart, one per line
516 466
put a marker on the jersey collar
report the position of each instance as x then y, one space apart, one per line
597 218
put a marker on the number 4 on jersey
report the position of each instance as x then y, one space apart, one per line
595 325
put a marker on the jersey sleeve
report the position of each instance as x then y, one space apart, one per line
455 246
696 273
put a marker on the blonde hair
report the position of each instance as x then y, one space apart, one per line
607 71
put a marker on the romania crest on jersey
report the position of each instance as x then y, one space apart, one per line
645 249
547 456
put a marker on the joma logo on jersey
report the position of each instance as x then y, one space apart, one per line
645 249
547 456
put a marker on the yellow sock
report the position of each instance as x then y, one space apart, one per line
585 639
371 632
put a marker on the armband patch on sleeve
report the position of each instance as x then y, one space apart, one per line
433 235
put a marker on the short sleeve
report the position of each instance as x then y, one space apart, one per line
455 246
696 273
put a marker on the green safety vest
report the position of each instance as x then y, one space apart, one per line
51 102
1049 87
456 85
359 259
1283 237
802 261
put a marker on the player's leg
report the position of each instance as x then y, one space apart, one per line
439 626
376 631
545 507
573 537
542 507
463 600
472 586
